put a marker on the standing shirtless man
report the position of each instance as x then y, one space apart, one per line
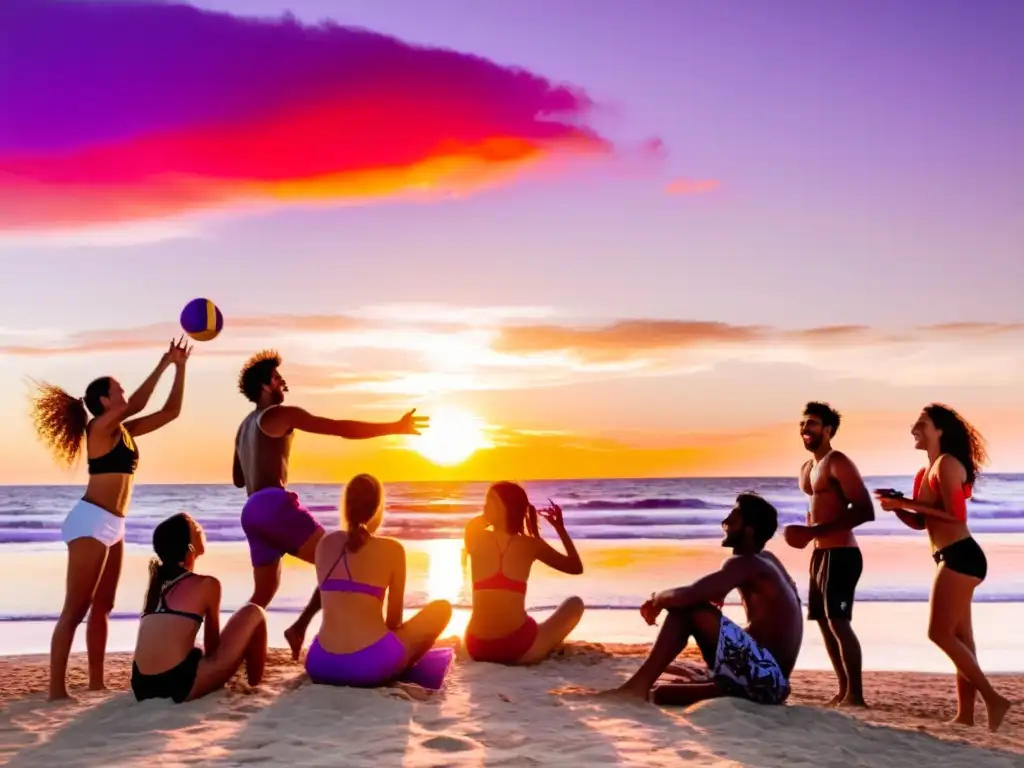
839 503
274 522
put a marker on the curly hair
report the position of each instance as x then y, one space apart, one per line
959 439
828 415
257 372
60 419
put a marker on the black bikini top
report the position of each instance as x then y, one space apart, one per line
161 604
122 459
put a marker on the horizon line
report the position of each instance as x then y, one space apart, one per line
492 480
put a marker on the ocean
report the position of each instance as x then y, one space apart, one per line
634 536
621 510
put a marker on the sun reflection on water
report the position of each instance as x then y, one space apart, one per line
445 573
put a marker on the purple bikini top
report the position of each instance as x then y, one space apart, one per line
348 585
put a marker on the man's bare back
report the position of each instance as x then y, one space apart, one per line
827 501
772 604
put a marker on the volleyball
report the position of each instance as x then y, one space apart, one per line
201 320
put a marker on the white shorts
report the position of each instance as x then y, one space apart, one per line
86 520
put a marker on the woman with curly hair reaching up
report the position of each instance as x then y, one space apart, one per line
94 528
956 452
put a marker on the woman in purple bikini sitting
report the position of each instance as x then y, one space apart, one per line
502 545
167 663
358 645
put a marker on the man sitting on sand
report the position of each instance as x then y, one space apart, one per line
752 663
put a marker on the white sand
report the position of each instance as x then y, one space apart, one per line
490 716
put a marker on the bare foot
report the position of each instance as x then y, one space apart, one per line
834 701
294 638
61 696
996 712
98 687
414 692
852 701
961 720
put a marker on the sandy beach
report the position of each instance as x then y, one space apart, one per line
490 715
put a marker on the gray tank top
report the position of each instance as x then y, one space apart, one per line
264 459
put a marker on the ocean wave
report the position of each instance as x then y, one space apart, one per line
684 509
907 596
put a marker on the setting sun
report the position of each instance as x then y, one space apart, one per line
453 436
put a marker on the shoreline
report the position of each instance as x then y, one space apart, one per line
893 636
483 716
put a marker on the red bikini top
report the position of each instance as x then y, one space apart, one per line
959 500
499 580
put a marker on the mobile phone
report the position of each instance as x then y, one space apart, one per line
889 493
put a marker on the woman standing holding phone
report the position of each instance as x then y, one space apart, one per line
955 453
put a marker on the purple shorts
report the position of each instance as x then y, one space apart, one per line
368 668
276 524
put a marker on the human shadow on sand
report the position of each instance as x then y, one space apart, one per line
141 730
753 735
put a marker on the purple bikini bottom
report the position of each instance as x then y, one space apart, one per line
368 668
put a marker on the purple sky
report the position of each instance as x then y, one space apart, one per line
869 154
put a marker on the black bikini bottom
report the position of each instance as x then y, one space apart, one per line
174 684
964 556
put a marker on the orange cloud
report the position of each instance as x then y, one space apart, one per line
692 186
433 350
623 338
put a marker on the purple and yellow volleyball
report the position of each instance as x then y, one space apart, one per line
201 320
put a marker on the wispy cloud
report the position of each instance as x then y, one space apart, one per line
430 349
126 235
692 186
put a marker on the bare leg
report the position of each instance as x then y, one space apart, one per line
295 635
419 633
553 630
703 623
952 594
86 558
966 694
266 580
835 655
99 615
852 662
244 638
684 694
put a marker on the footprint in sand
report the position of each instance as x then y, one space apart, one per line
450 744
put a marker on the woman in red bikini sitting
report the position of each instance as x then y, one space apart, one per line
502 545
939 505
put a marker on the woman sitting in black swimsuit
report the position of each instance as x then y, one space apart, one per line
167 663
939 505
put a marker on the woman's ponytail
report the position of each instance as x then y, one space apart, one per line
358 535
159 574
362 503
532 526
172 542
60 420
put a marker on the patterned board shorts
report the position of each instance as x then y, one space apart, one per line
744 669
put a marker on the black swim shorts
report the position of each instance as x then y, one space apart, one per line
834 576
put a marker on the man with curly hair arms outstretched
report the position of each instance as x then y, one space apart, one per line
274 521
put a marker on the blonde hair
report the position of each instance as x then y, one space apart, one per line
363 500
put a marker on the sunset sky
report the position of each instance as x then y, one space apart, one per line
765 204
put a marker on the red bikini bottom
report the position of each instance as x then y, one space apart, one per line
503 650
